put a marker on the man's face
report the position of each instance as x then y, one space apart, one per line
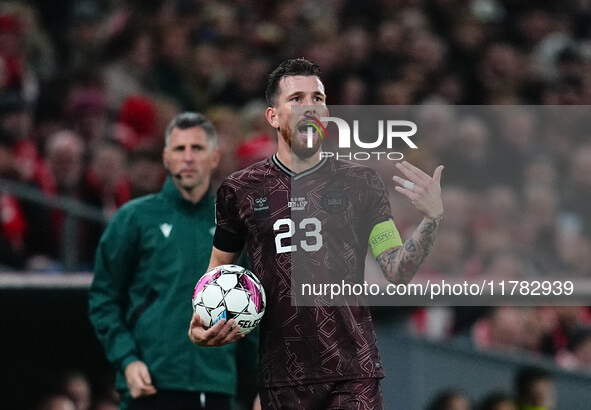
189 158
302 96
543 394
66 162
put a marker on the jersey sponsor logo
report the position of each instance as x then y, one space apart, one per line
166 229
334 202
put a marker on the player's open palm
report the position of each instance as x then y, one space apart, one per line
423 190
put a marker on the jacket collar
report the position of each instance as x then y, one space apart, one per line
170 192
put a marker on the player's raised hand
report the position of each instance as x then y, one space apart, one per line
223 332
423 190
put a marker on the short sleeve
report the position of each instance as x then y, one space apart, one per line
378 204
230 234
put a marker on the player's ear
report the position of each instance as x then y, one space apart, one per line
165 158
271 115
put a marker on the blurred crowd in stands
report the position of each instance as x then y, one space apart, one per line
532 388
88 86
73 390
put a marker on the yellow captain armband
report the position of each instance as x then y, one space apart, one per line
384 236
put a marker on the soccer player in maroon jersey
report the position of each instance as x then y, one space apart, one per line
315 357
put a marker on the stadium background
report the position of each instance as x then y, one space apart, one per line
87 88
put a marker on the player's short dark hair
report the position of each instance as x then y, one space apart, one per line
187 120
288 68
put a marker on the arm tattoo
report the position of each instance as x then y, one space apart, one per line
400 265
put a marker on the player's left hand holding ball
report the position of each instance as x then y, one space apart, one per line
423 190
222 333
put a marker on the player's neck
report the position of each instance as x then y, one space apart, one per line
296 164
292 161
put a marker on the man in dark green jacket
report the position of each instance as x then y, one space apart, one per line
148 261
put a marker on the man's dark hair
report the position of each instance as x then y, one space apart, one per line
444 398
187 120
526 377
288 68
493 399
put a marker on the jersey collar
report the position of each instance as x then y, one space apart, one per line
301 174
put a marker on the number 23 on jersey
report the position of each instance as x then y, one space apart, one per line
311 227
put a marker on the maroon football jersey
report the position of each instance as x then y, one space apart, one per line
313 226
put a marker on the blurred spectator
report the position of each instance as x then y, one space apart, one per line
461 207
105 183
517 135
13 224
105 405
447 256
165 109
255 149
16 121
534 389
39 51
105 186
65 153
563 321
146 174
497 401
205 74
136 123
247 83
129 73
449 399
504 264
87 109
354 91
77 387
228 125
170 70
84 35
509 329
500 74
56 401
468 162
12 53
433 322
577 356
577 189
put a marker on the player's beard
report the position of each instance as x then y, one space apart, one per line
299 146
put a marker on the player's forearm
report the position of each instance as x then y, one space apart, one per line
219 257
401 264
